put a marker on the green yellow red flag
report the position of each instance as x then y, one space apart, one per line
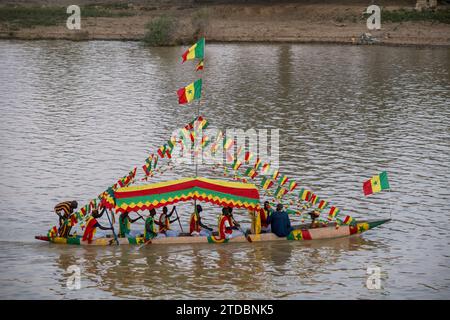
197 51
190 92
376 184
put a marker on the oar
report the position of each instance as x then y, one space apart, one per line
179 219
245 233
145 243
140 216
112 227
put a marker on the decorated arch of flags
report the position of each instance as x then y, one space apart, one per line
244 167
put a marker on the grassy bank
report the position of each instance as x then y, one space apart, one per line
442 16
17 17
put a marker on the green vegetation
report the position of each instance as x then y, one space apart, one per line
160 31
403 15
28 17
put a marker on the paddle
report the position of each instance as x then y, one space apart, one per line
112 227
241 230
145 243
179 219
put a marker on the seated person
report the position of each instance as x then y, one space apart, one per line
164 223
196 227
280 223
228 227
150 227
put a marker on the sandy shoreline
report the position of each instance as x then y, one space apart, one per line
289 22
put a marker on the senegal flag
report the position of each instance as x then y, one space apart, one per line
376 184
191 92
197 51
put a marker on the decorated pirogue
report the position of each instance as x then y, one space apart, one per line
243 192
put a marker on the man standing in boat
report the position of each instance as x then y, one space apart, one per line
164 223
125 225
280 223
196 227
64 210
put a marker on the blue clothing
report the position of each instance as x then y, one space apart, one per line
280 223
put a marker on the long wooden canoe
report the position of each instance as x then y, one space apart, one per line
302 232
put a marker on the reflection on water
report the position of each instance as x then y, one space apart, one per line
76 116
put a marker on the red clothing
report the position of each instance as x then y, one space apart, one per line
91 227
194 224
223 226
264 215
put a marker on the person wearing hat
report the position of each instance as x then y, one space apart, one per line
279 221
196 227
64 210
91 226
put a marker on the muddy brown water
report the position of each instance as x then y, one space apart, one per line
75 116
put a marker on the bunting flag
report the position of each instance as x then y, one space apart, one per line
266 183
283 179
323 204
305 195
275 175
314 198
248 156
257 164
53 232
292 186
93 204
197 51
265 168
205 141
227 143
280 192
333 212
347 220
376 184
199 66
190 92
162 151
251 172
237 164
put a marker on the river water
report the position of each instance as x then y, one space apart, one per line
75 116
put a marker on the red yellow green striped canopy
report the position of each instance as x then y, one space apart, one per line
219 192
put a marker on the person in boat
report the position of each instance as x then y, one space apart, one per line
92 224
196 227
228 227
264 214
125 225
64 210
280 223
259 219
164 223
150 231
314 215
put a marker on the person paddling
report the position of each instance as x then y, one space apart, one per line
196 227
279 222
164 223
228 227
64 210
125 225
150 226
92 224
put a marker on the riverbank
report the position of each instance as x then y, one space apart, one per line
254 22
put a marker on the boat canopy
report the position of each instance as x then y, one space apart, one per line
219 192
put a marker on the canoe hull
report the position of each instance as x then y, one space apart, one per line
302 233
